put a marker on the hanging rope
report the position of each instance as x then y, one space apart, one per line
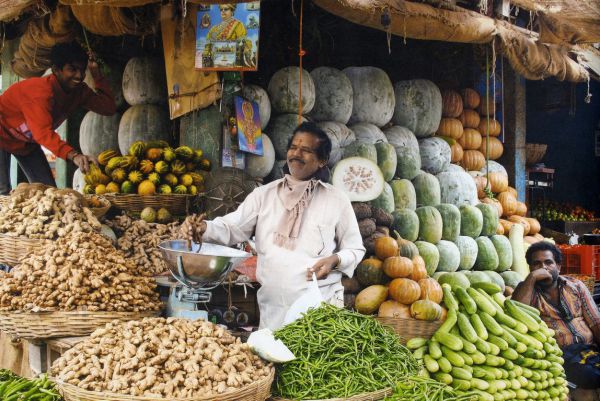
487 109
301 53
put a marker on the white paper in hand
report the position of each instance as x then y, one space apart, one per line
312 298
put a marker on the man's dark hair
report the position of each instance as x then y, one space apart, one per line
67 53
324 149
541 247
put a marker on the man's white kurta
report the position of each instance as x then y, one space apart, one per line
328 226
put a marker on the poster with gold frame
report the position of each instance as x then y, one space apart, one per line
227 37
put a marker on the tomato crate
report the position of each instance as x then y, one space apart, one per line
581 259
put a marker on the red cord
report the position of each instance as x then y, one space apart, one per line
301 53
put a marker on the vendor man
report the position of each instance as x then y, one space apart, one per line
302 225
31 110
568 308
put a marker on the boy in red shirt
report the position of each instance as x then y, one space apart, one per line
31 110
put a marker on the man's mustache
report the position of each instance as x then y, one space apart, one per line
296 160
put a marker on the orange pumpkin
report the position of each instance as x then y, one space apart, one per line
487 107
506 225
394 309
431 290
512 191
406 248
456 152
500 229
471 98
494 125
498 182
534 226
404 290
508 202
470 139
470 119
522 221
452 104
419 271
530 239
495 203
495 148
450 127
539 236
480 182
425 309
386 247
473 160
444 314
521 209
397 267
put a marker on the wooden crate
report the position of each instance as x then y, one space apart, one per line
55 347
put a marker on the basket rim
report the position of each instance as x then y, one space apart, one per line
362 396
60 384
75 312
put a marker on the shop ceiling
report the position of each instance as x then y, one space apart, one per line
562 48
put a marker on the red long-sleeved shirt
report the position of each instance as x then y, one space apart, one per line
32 109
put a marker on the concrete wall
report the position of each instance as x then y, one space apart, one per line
557 115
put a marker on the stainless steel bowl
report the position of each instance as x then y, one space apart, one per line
209 266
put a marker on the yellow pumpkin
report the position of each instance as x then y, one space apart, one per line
473 160
398 267
508 202
470 140
495 203
404 290
431 290
506 225
469 119
424 309
495 148
386 247
498 182
452 104
419 270
480 182
394 309
494 125
534 226
500 229
522 221
487 107
521 209
456 152
471 98
512 191
450 127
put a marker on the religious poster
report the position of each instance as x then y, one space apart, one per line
248 126
232 157
227 37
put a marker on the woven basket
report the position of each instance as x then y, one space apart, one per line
13 249
178 205
98 211
257 391
376 395
411 328
534 153
589 281
40 325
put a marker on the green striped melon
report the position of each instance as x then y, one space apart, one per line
405 196
471 221
490 219
449 256
504 251
361 149
98 133
468 249
385 201
430 254
144 81
368 133
427 188
203 129
145 122
487 257
430 224
386 159
406 223
451 221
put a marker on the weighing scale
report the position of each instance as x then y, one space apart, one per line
197 271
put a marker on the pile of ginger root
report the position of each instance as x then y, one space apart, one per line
78 272
157 357
42 212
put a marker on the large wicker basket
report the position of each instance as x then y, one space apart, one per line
257 391
176 204
411 328
101 210
534 153
13 249
374 396
41 325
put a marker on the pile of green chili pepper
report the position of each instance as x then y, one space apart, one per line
340 354
16 388
425 389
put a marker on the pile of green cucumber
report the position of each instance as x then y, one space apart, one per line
497 347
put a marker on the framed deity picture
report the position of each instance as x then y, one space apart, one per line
248 126
231 156
227 37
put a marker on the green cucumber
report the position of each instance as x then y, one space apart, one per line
460 373
449 300
503 318
479 384
444 364
478 326
490 323
449 340
482 346
521 316
450 321
491 301
478 358
509 338
525 339
464 325
499 341
461 385
434 349
509 354
420 352
499 299
466 357
453 357
526 307
415 343
493 360
494 349
465 300
539 336
481 373
482 302
430 364
468 347
490 288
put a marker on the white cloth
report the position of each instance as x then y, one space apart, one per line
328 226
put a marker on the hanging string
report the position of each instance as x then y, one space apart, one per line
300 54
502 100
487 109
588 96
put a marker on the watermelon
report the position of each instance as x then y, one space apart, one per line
511 278
487 257
340 136
368 133
284 91
430 224
478 277
405 196
504 251
458 188
361 149
333 95
468 252
385 201
359 178
451 221
496 278
430 254
490 219
455 280
494 167
406 223
408 163
386 159
373 95
427 188
471 221
449 256
418 106
435 154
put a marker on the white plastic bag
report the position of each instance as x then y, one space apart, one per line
312 298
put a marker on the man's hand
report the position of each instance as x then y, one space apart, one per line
540 275
193 228
93 67
83 162
323 267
